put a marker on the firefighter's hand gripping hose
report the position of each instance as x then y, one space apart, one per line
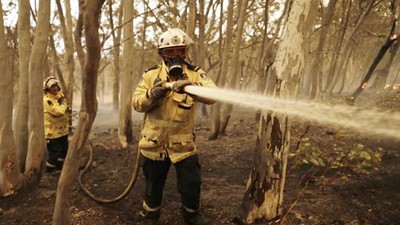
123 194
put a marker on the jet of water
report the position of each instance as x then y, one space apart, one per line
367 121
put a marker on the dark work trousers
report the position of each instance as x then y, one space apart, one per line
57 151
188 172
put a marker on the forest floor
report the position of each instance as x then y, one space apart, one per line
339 191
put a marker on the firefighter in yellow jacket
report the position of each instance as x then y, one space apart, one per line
167 134
55 124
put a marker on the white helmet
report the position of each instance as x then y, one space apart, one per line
49 82
174 37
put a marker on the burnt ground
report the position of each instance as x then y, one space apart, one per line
345 188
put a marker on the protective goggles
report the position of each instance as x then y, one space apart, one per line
173 52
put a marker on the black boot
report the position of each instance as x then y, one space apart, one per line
151 218
60 165
51 169
195 218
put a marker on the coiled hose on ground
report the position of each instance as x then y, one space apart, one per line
123 194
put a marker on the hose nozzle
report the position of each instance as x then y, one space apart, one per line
168 85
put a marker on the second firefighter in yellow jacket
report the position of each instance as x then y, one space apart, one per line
56 124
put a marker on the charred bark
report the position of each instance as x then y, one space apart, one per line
263 199
392 38
264 190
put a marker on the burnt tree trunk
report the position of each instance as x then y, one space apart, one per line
348 49
392 38
381 75
264 191
263 198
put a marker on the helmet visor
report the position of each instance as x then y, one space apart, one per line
173 52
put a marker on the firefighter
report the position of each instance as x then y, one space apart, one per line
167 135
56 124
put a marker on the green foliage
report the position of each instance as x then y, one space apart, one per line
307 219
357 157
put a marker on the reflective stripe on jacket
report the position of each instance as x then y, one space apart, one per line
55 115
168 126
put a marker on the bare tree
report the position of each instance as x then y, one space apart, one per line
116 51
318 61
36 125
22 109
90 16
143 43
392 38
267 79
69 63
234 67
125 111
263 198
338 71
220 81
11 178
201 42
191 23
268 51
381 75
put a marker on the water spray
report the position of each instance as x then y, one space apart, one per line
366 121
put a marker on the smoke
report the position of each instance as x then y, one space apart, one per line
106 116
365 121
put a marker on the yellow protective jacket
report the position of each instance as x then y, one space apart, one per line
55 115
168 126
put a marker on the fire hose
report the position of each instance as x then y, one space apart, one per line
132 181
119 197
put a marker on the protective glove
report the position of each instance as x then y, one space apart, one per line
61 100
69 110
158 92
179 85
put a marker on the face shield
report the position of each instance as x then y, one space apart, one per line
174 58
172 47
